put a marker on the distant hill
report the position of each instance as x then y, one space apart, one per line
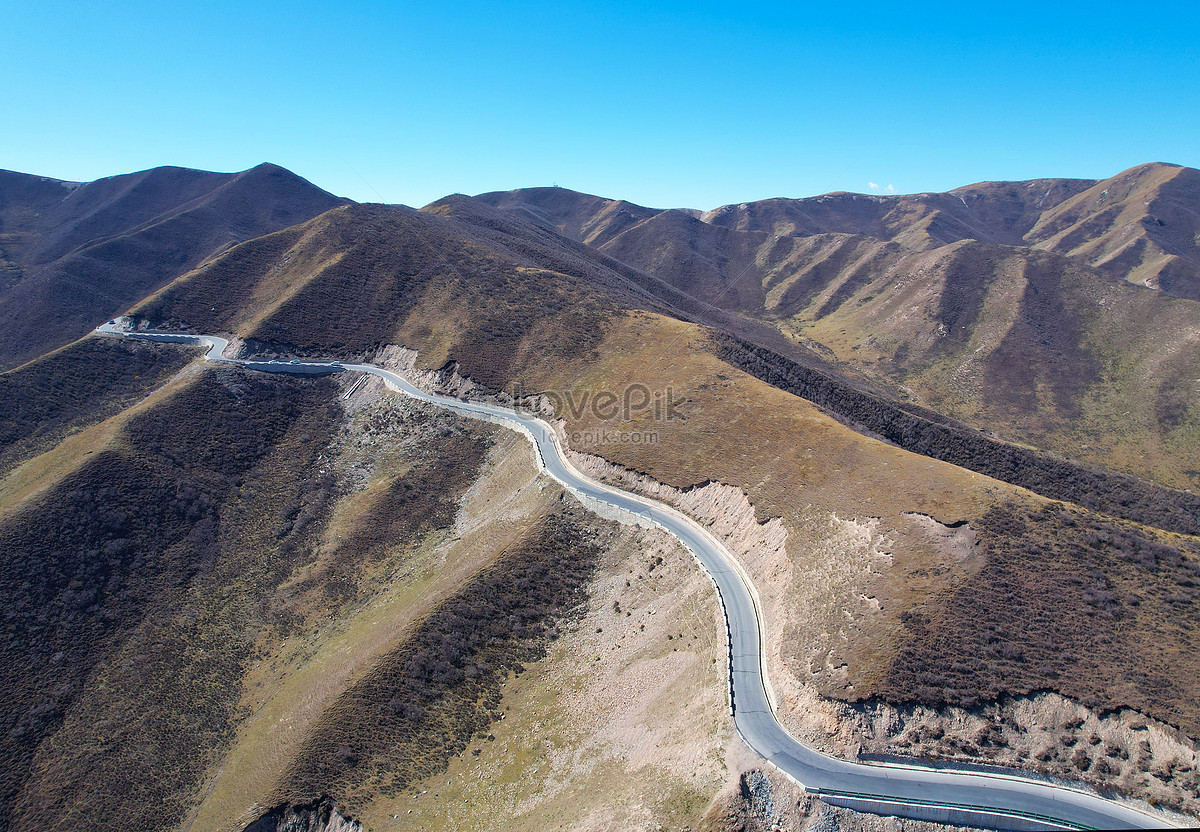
1020 307
1140 225
997 212
72 254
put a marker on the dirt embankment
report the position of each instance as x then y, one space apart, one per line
795 607
1123 752
1046 733
403 361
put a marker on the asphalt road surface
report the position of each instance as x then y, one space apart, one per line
980 799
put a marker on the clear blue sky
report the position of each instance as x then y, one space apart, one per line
664 103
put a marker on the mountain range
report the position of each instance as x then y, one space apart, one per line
953 438
1007 305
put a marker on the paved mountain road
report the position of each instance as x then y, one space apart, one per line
999 801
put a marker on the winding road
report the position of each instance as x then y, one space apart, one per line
966 798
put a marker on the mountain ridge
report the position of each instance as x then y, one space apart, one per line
1021 213
1025 330
72 253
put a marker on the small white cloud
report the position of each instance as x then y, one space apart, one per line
891 189
874 186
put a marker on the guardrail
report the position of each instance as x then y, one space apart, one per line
949 813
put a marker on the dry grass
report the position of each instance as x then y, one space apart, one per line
422 702
290 687
128 581
623 726
855 561
1055 356
802 467
1102 612
65 391
34 476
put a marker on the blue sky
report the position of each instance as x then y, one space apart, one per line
667 104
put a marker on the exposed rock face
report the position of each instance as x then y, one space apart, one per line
755 790
320 816
725 510
754 806
403 360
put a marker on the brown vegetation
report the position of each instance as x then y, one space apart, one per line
1101 611
364 276
79 385
927 433
422 703
1138 225
133 589
345 607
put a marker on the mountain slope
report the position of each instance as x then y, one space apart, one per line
1032 346
360 277
1139 225
1142 225
108 572
297 562
75 254
995 303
